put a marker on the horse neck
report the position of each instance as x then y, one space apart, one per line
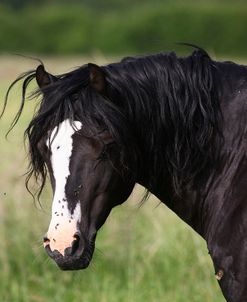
209 202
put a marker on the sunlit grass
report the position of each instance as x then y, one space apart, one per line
143 253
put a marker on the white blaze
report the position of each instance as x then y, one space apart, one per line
63 223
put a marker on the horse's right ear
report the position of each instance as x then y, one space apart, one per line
43 78
97 78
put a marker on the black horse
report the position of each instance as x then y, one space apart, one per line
176 125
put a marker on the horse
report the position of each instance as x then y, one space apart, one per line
175 125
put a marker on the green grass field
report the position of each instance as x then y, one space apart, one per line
144 254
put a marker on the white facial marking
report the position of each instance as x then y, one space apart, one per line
63 224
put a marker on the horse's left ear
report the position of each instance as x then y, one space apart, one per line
97 78
43 78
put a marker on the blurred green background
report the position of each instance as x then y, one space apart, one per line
117 27
143 253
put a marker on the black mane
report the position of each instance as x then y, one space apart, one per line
161 109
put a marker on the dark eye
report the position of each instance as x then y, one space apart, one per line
106 151
104 154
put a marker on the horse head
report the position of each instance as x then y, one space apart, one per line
87 179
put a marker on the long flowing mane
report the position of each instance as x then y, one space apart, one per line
160 108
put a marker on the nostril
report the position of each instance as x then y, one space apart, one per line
77 236
75 243
46 241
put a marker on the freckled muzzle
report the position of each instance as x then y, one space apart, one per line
62 233
64 242
75 257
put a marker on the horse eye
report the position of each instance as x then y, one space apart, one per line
103 155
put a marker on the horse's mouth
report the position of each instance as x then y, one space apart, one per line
70 261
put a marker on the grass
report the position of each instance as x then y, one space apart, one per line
143 253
